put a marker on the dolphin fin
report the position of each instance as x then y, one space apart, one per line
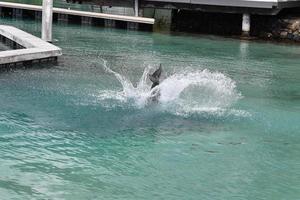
156 75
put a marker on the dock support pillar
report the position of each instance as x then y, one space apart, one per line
136 8
246 24
132 26
38 15
17 13
62 18
47 17
86 20
109 23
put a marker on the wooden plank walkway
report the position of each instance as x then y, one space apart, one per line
142 20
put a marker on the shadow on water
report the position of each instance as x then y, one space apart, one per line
27 66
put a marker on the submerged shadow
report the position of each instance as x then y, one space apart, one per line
37 64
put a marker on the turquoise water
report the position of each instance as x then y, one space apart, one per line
3 47
226 125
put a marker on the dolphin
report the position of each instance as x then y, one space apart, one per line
155 92
155 77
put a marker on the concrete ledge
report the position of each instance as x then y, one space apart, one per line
142 20
235 3
35 48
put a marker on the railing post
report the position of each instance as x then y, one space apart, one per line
136 8
47 20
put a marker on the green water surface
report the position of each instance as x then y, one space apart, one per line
58 140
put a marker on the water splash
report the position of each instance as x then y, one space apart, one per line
183 93
139 95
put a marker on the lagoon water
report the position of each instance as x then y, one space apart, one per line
227 125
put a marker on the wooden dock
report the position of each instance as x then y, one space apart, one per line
140 20
33 48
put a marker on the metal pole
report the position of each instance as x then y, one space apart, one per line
136 8
47 20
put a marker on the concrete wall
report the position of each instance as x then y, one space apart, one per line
163 18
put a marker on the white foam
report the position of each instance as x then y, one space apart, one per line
183 93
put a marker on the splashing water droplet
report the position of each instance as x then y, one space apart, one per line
182 93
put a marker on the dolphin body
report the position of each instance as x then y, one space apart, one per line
155 93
